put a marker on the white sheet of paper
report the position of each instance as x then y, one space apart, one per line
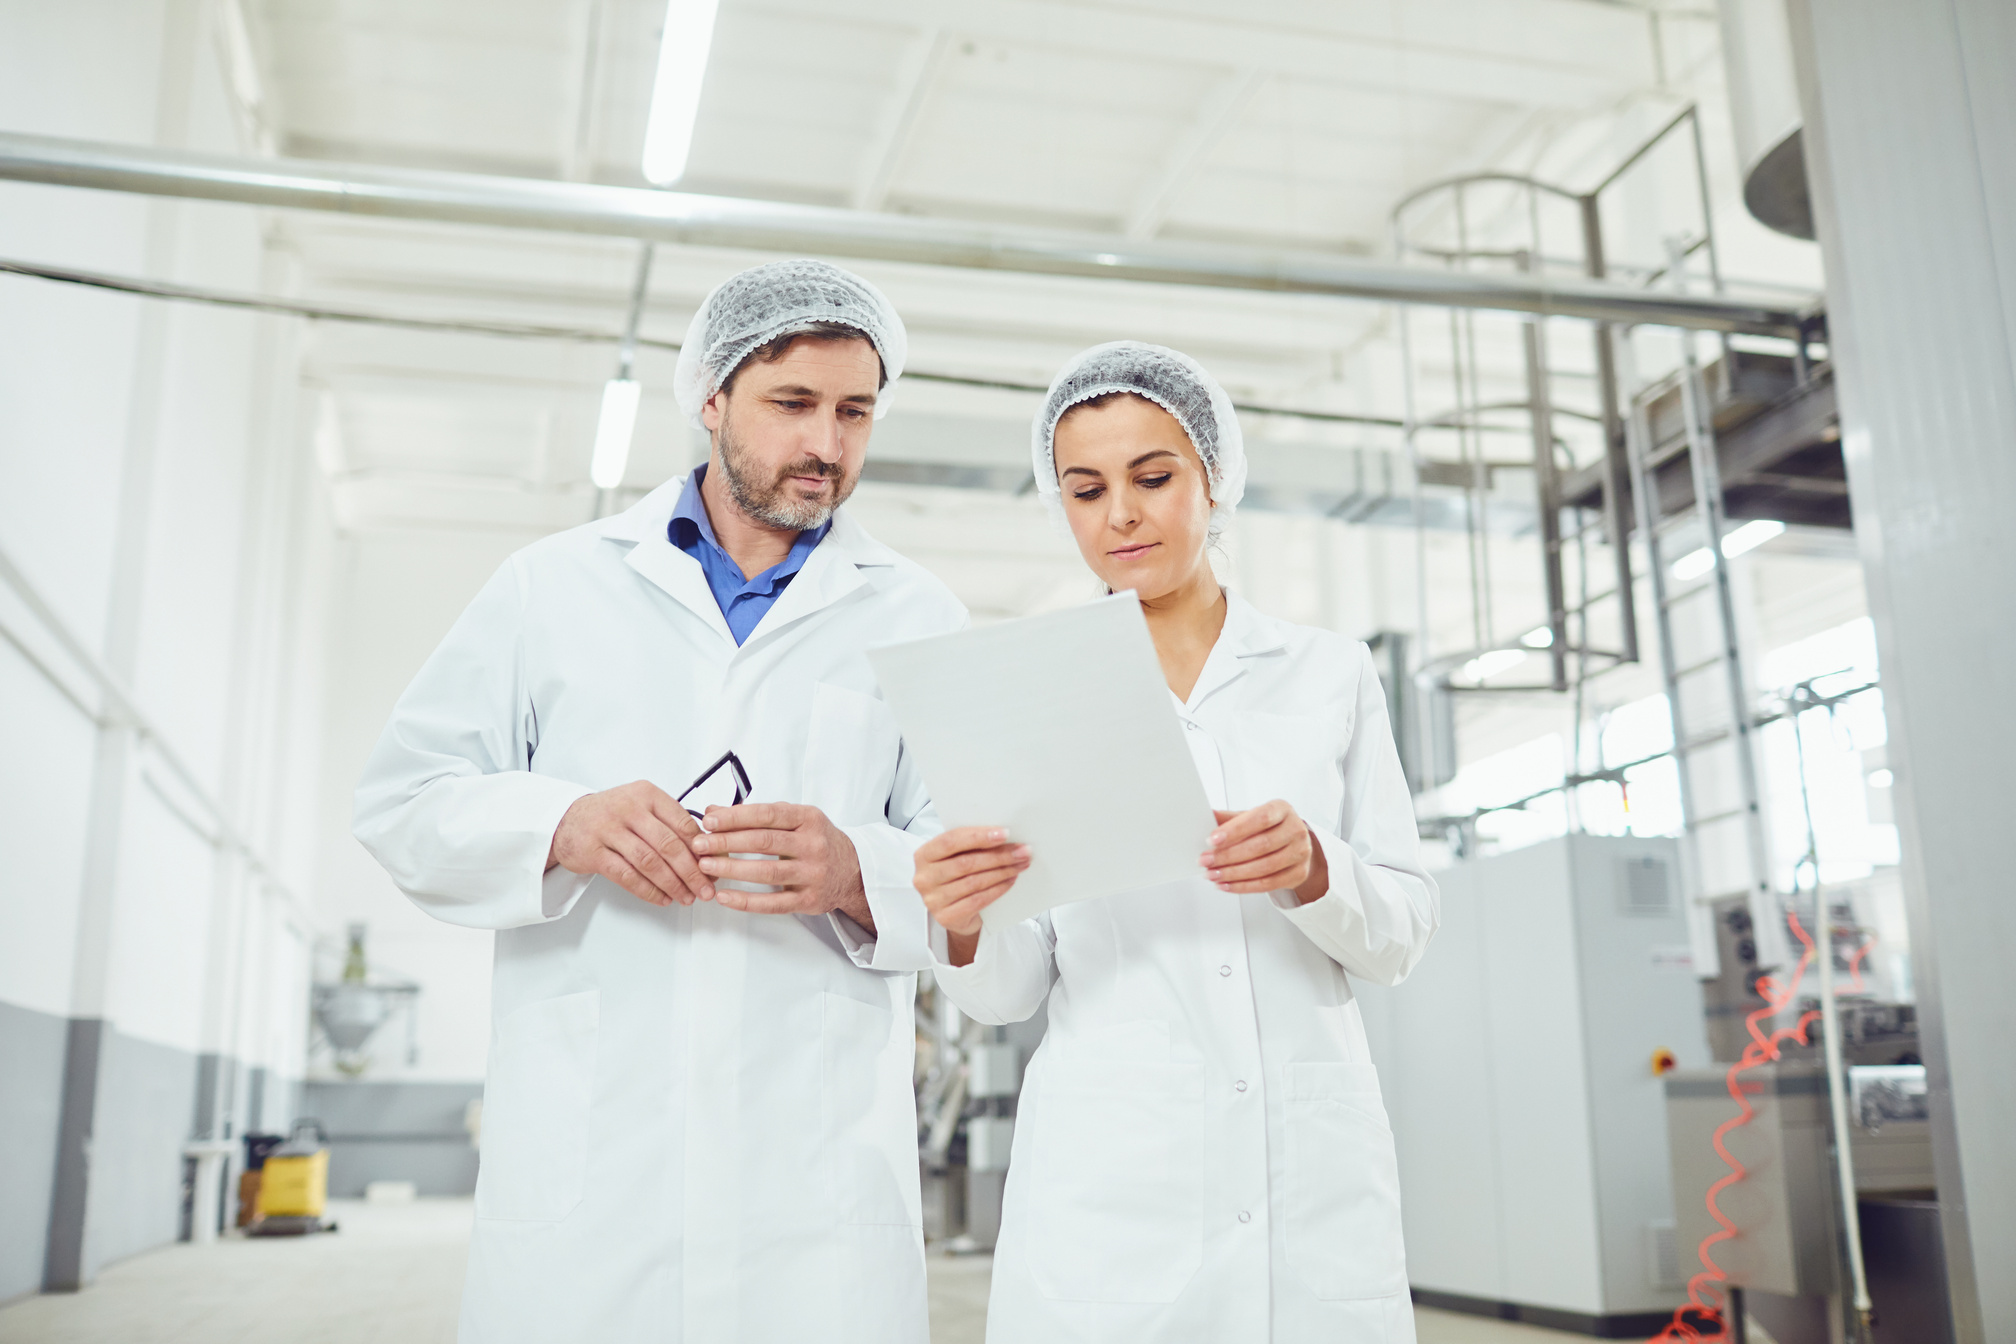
1059 728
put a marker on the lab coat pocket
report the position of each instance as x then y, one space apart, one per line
1343 1201
870 1113
851 752
536 1104
1115 1186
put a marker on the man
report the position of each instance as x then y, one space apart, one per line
698 1120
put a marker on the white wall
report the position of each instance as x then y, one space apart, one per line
84 377
155 493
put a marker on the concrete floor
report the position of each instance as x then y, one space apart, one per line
393 1275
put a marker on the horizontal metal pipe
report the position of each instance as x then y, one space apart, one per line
267 303
717 221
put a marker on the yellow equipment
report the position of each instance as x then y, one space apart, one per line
294 1183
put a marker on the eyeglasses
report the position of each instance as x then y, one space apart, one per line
733 764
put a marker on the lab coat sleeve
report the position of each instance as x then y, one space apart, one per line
1011 971
1382 906
901 941
449 803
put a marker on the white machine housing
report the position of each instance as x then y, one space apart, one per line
1518 1069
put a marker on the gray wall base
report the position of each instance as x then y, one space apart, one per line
395 1132
95 1121
146 1096
31 1104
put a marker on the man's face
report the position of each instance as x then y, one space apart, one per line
790 436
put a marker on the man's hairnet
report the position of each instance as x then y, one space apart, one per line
777 299
1170 379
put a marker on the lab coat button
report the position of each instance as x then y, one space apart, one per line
1239 1086
1224 970
1245 1217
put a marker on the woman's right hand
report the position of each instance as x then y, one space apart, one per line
961 872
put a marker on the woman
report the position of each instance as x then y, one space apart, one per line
1200 1151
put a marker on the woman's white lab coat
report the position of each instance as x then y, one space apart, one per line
698 1123
1200 1150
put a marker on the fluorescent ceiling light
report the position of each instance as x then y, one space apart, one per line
675 94
1541 638
1694 564
1743 540
612 433
1750 536
1492 663
1881 779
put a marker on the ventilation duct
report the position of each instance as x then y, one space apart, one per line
1764 109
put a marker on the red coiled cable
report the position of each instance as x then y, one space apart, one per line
1762 1050
1855 964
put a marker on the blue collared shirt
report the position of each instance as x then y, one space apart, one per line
743 601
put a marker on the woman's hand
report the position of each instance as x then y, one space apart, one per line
1266 848
961 872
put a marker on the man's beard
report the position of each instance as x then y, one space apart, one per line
776 502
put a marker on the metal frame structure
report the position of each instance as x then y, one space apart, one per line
1631 463
1539 405
1629 504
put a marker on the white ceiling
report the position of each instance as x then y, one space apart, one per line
1298 123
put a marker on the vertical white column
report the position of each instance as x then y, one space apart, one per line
70 1260
1910 132
254 785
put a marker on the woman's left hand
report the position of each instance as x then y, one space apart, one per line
1266 848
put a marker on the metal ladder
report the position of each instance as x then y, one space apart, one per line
1707 812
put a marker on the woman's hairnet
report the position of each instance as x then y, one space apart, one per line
776 299
1170 379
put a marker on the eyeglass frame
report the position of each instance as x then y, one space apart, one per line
742 786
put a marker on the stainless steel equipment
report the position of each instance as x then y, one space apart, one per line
1785 1254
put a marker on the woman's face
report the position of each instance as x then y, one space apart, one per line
1135 493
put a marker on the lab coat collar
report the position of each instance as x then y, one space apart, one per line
649 516
1249 631
1247 634
831 572
653 555
851 540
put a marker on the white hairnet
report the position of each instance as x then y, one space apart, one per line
1170 379
776 299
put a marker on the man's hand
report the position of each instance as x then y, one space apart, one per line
637 837
961 872
815 869
1266 848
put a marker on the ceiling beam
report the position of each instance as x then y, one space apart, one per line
713 221
577 149
1221 108
923 63
1478 66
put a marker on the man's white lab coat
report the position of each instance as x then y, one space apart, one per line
698 1123
1200 1149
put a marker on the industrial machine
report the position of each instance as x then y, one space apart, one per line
350 1011
1521 1067
1788 1260
1784 1206
969 1079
